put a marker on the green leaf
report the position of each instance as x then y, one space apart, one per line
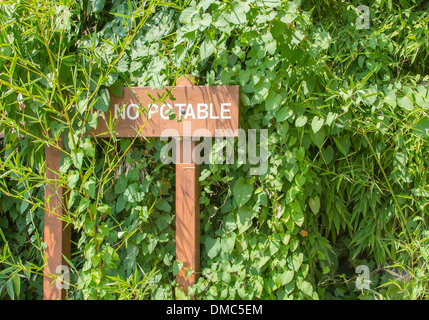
88 148
406 103
187 14
226 277
212 247
96 275
284 114
120 203
89 229
73 179
242 191
204 174
273 101
104 208
261 91
271 47
177 266
228 243
318 138
7 203
314 204
390 98
343 144
130 192
98 5
244 219
298 218
117 88
238 13
229 223
189 272
289 14
163 205
9 288
171 114
422 127
77 158
286 277
300 121
371 94
297 261
132 253
95 260
206 50
297 36
317 123
322 39
306 288
330 118
93 120
120 185
103 100
89 187
17 285
328 154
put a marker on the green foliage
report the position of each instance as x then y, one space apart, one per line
346 111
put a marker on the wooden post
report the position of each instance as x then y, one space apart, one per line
187 208
56 235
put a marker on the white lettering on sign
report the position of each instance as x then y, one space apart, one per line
136 112
198 111
223 110
190 112
201 110
126 111
117 110
211 112
163 116
152 109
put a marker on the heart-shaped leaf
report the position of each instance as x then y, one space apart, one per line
300 121
242 191
212 247
314 204
244 219
317 123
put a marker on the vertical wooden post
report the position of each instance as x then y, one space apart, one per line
187 208
56 235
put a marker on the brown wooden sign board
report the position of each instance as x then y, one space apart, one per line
205 111
146 112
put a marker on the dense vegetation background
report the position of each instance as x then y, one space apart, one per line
346 109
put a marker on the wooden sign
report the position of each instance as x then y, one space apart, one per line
149 112
199 111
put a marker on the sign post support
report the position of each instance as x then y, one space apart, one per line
187 209
56 234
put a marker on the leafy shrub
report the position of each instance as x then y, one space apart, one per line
346 112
